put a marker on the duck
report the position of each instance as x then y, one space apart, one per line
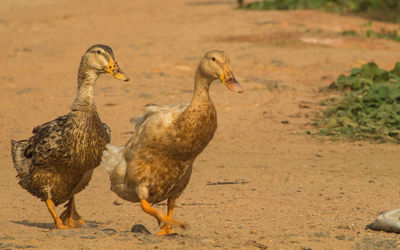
156 163
57 162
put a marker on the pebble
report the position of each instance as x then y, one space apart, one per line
139 228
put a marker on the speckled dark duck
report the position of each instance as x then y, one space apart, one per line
57 162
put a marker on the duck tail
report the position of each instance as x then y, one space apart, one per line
21 162
113 161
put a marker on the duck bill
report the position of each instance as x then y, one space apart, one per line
229 80
115 71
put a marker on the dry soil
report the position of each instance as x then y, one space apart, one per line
291 190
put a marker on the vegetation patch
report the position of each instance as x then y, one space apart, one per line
382 10
367 31
368 106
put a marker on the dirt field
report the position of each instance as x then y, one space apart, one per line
294 191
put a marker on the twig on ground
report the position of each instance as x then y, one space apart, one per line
227 182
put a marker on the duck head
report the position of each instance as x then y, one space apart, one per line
216 65
100 58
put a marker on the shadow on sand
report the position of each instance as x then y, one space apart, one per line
89 224
35 224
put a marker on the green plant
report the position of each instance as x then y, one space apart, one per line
384 10
291 4
367 31
369 107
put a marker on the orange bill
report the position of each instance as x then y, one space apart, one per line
115 71
229 80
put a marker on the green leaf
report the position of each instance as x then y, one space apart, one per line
369 107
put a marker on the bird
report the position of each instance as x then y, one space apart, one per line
156 163
57 162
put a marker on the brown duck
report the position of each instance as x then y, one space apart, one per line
156 163
57 162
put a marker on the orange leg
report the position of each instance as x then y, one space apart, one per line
59 224
161 217
166 229
70 216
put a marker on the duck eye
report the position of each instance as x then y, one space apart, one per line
98 52
213 58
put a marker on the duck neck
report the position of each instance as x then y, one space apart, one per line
201 96
86 82
201 104
198 122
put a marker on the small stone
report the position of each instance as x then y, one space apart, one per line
109 231
91 237
344 227
340 237
117 203
139 228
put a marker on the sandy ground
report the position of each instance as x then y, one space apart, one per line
293 191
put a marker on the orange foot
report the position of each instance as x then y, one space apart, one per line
57 221
60 225
167 231
70 216
72 223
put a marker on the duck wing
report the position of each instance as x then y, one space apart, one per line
158 113
155 123
38 151
46 145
